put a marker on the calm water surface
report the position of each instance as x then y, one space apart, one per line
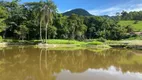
29 63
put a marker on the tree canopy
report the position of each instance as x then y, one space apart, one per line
40 20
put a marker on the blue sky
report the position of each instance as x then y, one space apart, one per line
98 7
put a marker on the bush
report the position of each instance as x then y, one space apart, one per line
1 39
101 39
136 22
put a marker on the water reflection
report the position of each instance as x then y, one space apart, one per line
99 74
28 63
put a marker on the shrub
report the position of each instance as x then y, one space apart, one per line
1 39
136 22
101 39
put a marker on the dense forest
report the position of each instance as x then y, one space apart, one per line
131 15
41 20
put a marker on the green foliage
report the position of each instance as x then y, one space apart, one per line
81 43
22 32
136 22
52 32
3 12
95 43
1 39
101 39
131 15
135 38
3 16
54 41
40 20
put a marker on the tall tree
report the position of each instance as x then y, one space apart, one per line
47 13
3 17
36 8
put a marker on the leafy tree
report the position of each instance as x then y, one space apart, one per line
76 27
15 18
131 15
3 17
52 32
22 32
61 23
36 8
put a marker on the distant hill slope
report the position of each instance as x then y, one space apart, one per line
137 27
78 11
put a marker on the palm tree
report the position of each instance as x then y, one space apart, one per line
47 13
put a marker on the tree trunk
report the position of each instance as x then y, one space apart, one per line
40 32
4 35
46 33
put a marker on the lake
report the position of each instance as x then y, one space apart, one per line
31 63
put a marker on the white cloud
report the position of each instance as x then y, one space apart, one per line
67 10
60 11
108 11
130 6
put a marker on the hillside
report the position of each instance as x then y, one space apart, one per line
78 11
137 27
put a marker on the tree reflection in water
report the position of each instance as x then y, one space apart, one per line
20 63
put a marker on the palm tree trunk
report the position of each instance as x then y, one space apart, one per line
4 34
46 33
40 32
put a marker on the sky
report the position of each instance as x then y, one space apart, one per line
97 7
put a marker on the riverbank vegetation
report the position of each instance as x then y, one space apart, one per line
35 22
32 21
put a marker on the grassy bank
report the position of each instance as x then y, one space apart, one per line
135 44
54 41
60 41
57 44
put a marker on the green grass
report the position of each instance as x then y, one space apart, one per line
62 41
95 43
92 45
136 27
59 41
135 38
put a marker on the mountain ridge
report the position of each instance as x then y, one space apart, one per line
78 11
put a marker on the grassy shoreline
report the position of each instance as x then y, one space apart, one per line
130 44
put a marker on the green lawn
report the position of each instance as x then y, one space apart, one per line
137 27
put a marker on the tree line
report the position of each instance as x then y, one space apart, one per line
133 15
40 20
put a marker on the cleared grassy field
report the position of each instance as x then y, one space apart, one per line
137 27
